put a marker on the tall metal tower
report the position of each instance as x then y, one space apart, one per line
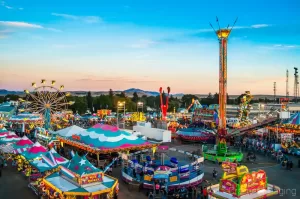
275 92
296 82
287 93
222 35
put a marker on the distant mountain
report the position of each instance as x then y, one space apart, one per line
4 92
140 92
129 92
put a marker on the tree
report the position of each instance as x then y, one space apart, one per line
89 100
11 97
216 98
135 97
187 100
80 105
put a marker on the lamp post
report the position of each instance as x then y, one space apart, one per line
140 105
120 106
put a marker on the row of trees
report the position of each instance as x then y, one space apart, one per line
94 103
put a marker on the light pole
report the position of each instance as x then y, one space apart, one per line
140 105
120 106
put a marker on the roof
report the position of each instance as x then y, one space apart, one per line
7 109
69 131
35 151
295 119
81 166
24 142
65 186
106 136
25 117
48 161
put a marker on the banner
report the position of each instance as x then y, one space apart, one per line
229 167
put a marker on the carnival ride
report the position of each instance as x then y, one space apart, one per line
221 153
137 117
244 109
238 182
46 100
194 105
150 166
164 106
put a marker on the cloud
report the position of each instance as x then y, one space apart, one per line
85 19
18 24
281 47
54 29
63 46
260 26
3 3
115 79
255 26
143 43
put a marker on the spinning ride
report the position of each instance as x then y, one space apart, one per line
46 100
244 109
222 154
164 106
148 167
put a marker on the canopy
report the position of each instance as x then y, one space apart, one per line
106 136
8 148
26 117
48 161
25 142
295 119
10 137
3 130
81 166
35 151
69 131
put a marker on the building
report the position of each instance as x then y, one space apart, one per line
7 109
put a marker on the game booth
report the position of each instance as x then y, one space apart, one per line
78 179
25 122
238 182
43 166
152 166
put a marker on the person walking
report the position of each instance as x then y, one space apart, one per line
215 174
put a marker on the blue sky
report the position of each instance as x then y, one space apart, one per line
97 45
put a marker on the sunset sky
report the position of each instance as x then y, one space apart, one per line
97 45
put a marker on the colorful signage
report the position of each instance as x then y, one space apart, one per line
75 137
229 167
92 178
253 182
228 186
147 178
173 179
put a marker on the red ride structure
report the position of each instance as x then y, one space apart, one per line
164 107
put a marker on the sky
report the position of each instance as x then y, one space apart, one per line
119 44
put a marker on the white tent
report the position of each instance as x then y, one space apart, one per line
69 131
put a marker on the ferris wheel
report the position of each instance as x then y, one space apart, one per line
46 99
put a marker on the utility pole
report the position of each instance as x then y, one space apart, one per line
287 85
296 82
275 92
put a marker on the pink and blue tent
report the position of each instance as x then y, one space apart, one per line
107 137
37 150
295 119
